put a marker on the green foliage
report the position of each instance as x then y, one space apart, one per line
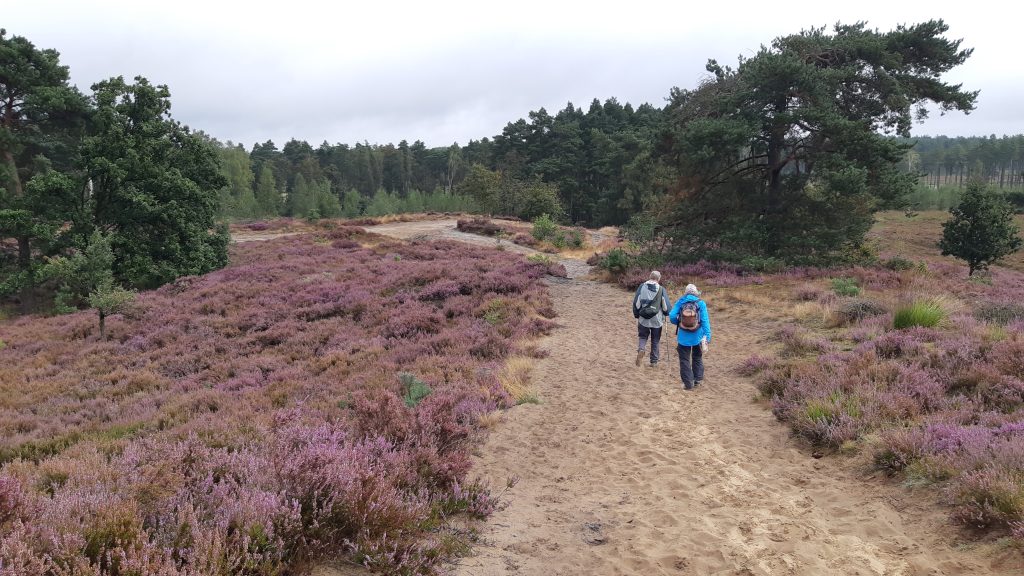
154 185
925 197
42 118
351 204
110 299
495 312
414 389
920 313
238 198
543 227
576 237
784 156
767 264
87 277
501 193
559 240
898 263
268 200
301 198
845 287
616 261
981 229
541 259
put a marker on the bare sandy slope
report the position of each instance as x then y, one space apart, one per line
622 472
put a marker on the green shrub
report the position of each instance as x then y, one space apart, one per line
766 264
534 258
543 227
415 389
576 237
845 287
898 263
615 261
558 240
921 313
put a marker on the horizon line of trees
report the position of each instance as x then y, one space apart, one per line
781 159
602 164
955 160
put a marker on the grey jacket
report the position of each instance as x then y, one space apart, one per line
645 293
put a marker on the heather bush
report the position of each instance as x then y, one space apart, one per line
311 400
807 293
481 226
924 313
797 343
753 365
989 497
999 313
856 309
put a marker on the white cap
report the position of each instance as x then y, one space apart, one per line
691 289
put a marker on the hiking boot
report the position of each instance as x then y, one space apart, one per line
697 383
639 356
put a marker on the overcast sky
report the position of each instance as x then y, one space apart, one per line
444 71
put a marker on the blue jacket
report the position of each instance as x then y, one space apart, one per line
685 337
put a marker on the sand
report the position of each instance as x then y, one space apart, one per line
621 471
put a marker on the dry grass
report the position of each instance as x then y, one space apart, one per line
917 237
515 379
491 420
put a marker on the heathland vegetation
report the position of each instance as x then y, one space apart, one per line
319 395
317 398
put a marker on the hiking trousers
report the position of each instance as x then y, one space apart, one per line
655 334
691 365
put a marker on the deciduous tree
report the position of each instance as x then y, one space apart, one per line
980 230
154 186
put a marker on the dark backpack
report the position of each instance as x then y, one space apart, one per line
651 309
689 316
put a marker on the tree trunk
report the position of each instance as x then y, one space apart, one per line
103 317
24 245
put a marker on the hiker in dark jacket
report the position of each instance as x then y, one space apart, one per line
690 313
650 307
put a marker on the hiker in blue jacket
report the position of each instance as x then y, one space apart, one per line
690 314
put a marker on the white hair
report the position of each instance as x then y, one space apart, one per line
655 275
692 289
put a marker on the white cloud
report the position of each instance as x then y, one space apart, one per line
446 71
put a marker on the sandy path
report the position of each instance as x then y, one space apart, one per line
622 472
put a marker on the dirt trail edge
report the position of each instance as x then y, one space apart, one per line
622 472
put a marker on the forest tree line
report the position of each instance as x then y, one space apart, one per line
781 159
596 167
946 160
